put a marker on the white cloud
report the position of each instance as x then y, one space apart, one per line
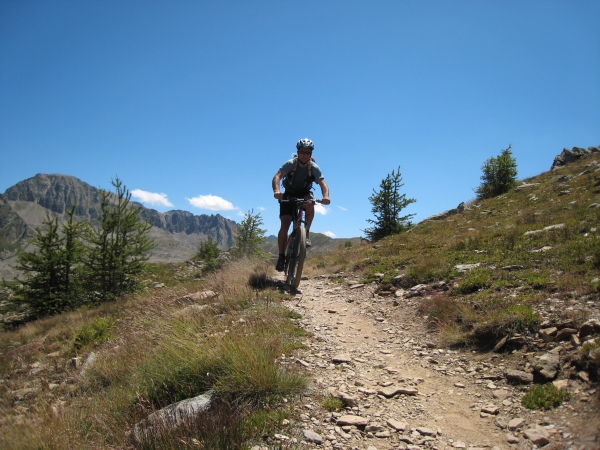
151 198
211 202
320 209
262 208
342 208
241 213
330 234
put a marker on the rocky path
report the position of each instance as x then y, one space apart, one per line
401 388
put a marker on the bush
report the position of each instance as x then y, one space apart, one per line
333 404
477 279
259 278
500 319
546 396
94 333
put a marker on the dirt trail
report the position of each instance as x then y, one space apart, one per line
376 353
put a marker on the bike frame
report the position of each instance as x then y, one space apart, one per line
296 243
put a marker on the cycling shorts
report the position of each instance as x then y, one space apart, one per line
287 208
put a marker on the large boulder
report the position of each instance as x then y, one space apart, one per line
167 419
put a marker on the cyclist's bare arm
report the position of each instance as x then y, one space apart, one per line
324 191
275 184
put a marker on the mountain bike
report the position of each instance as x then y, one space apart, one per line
295 250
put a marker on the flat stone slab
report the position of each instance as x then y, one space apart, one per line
426 431
490 409
388 391
397 425
465 267
367 391
519 376
408 391
341 359
515 423
352 420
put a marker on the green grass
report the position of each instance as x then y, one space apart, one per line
95 332
546 396
477 279
333 404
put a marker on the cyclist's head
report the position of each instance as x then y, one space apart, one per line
305 144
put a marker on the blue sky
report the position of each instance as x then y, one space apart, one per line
196 104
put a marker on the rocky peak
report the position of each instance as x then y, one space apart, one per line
57 193
570 155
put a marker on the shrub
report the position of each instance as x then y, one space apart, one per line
499 319
538 281
333 404
259 278
94 333
475 280
546 396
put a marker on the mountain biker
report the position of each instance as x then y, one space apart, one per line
299 174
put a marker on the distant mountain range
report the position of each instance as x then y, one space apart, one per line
24 206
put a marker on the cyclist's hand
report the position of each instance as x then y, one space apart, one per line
278 195
325 201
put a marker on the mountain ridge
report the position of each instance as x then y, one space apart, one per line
24 206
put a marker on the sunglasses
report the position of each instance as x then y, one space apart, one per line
305 152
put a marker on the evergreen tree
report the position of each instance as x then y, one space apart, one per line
118 247
208 252
52 284
387 204
499 175
73 253
249 237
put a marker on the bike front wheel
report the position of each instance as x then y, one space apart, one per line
295 255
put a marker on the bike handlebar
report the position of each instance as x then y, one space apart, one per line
301 200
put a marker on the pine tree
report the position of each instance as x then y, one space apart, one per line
208 252
73 253
52 282
249 237
118 247
387 204
499 175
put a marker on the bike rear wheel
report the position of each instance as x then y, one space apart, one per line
295 255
